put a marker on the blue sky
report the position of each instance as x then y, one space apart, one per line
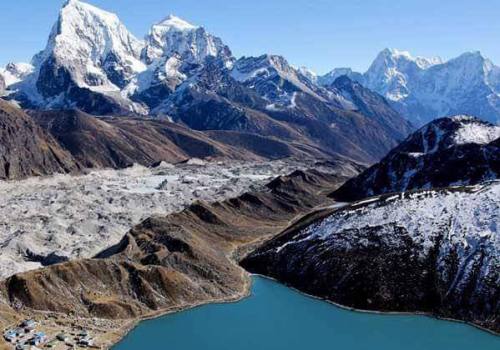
320 34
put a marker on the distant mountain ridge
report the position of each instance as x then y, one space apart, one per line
423 89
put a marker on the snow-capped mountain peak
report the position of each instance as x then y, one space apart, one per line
102 53
394 56
89 58
392 72
274 78
423 89
174 35
308 73
459 150
172 22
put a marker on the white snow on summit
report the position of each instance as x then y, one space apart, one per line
176 36
176 23
85 37
474 132
266 74
423 89
421 62
89 46
308 73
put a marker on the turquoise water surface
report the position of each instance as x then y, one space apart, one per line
276 317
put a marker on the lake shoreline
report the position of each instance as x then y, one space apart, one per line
281 315
131 325
247 292
374 312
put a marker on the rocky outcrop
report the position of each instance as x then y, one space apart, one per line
26 149
434 252
451 151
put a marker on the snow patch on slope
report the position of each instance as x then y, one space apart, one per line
475 133
15 72
474 214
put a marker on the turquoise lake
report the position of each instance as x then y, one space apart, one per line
276 317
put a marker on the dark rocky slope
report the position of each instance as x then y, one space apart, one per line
277 105
435 252
450 151
117 142
26 149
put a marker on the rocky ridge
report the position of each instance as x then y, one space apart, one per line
27 150
456 151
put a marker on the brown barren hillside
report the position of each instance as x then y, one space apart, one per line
26 149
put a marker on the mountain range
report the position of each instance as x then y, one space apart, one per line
182 73
423 89
93 63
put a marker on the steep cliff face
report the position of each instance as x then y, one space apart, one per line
431 251
26 149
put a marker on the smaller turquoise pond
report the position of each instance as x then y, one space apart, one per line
278 318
